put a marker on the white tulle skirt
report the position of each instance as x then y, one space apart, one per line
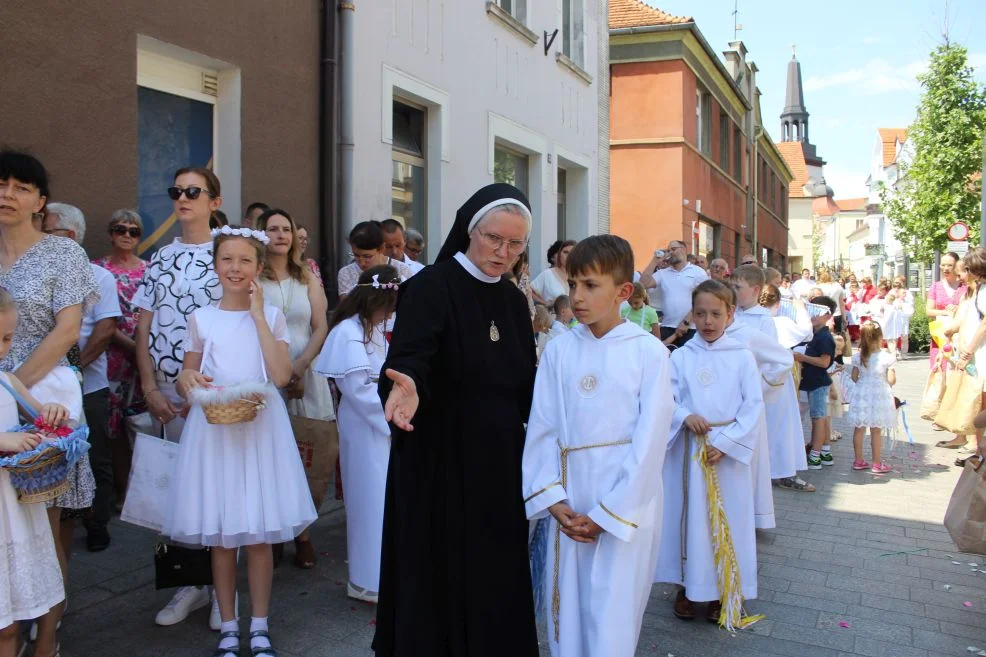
239 484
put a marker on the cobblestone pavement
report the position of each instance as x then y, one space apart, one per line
862 567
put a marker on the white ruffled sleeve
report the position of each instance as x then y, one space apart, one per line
343 352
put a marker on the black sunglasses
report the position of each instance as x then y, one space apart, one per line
133 231
191 193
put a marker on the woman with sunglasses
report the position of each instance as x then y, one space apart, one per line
125 231
180 278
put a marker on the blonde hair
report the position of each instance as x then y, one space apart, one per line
639 292
770 296
772 276
542 320
719 290
870 341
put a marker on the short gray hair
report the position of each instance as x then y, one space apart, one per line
414 237
69 218
126 216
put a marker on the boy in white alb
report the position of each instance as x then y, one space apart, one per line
595 448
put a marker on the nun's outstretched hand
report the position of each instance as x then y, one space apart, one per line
402 403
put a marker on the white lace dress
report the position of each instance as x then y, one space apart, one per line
871 402
30 579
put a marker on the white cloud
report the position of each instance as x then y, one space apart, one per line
879 76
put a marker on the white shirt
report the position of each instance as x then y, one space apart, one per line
94 376
413 265
802 287
549 285
675 288
349 275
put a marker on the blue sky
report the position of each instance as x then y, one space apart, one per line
858 60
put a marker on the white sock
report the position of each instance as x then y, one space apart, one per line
230 642
826 448
257 624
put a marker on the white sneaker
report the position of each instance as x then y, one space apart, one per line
32 634
186 600
215 618
359 593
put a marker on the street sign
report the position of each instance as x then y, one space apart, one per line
959 246
958 232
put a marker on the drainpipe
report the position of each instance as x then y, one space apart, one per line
329 228
347 10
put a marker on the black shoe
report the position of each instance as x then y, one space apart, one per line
98 539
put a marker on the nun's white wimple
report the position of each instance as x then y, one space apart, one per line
503 201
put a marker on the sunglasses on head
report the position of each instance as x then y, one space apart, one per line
191 193
132 231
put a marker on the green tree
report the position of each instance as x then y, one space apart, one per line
941 185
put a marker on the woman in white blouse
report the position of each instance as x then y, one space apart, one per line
553 281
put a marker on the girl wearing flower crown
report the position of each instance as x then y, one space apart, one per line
241 484
353 355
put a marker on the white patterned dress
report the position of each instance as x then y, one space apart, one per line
30 578
871 401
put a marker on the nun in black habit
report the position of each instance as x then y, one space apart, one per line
459 376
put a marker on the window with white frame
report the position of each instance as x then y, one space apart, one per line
408 188
572 21
511 167
516 8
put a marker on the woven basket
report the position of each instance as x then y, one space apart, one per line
42 477
240 410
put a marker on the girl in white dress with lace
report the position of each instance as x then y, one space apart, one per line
30 577
871 401
289 285
238 485
353 355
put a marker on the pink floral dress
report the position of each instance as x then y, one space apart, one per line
939 299
121 370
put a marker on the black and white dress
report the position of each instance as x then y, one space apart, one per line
50 276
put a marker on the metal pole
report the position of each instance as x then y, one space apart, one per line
347 220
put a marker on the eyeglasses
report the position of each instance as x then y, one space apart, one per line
133 231
191 193
495 242
364 257
57 231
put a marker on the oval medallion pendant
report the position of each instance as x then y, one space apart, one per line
494 332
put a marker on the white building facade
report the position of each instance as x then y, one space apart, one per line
451 95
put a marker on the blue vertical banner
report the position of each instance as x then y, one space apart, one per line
172 132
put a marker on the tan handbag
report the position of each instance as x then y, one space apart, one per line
965 518
318 444
961 403
934 390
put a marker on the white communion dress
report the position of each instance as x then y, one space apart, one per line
871 400
30 578
237 484
364 441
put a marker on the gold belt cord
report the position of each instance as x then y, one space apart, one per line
555 593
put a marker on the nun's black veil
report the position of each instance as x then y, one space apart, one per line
458 237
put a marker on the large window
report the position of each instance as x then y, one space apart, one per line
724 141
516 8
573 44
737 154
511 167
703 121
708 239
407 187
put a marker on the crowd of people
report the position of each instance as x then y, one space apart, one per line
578 425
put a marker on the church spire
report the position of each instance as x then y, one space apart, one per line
794 119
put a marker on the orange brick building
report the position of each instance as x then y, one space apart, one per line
689 157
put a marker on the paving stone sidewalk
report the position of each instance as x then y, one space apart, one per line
861 567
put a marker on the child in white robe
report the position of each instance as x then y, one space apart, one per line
595 445
352 355
716 386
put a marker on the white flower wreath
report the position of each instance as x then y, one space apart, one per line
258 235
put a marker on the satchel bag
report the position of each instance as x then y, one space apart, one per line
318 445
934 390
176 566
965 518
961 403
152 472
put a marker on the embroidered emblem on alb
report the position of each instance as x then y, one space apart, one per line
588 383
706 376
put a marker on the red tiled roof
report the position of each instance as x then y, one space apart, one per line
794 155
890 137
851 204
634 13
824 206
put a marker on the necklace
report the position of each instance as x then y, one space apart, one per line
494 332
285 301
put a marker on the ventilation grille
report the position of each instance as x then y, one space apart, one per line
210 84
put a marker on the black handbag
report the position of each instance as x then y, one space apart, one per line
176 566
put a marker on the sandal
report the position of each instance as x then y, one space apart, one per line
796 484
262 652
304 554
950 444
226 652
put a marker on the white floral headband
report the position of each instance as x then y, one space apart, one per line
258 235
377 285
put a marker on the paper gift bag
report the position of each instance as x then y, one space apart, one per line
961 403
318 444
152 472
965 518
934 390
